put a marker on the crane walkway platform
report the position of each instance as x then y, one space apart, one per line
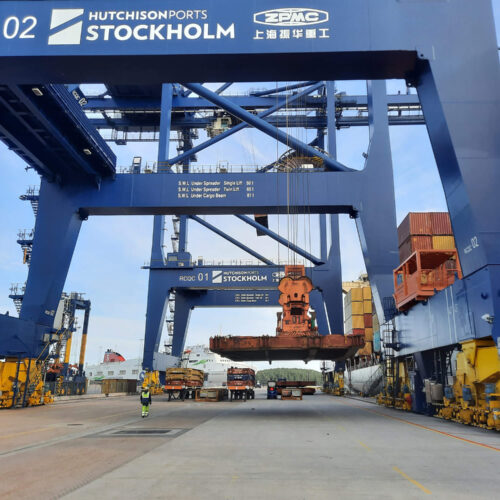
322 447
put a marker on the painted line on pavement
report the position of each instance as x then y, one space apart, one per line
25 432
416 483
470 441
367 448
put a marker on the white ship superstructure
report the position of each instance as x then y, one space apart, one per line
214 365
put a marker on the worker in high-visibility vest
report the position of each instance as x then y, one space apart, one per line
145 401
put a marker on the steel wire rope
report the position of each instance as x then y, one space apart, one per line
306 215
277 188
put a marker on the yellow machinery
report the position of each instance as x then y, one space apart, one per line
333 383
152 379
338 384
22 383
396 391
474 398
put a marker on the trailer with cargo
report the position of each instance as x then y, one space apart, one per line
182 383
241 383
307 386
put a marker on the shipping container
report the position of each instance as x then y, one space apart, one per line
113 386
355 309
415 223
412 244
347 300
443 242
375 322
367 320
376 341
367 293
367 306
369 334
355 331
440 223
356 294
354 322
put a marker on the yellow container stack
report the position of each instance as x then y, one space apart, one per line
359 313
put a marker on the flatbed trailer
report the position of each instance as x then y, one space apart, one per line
180 392
307 386
239 392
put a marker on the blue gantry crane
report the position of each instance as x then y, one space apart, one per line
442 49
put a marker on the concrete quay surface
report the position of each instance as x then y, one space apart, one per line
322 447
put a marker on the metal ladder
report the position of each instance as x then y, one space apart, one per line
22 398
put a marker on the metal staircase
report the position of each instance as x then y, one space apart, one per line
389 365
17 294
36 371
32 195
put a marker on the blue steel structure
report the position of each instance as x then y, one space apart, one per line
443 49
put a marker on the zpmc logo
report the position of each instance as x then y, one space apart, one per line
295 16
67 32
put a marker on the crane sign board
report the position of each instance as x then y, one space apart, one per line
83 40
154 27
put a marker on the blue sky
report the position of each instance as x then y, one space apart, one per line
111 250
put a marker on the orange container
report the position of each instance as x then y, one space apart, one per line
356 331
412 244
368 321
415 223
441 223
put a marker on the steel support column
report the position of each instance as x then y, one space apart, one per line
332 286
181 322
58 225
376 218
157 297
158 292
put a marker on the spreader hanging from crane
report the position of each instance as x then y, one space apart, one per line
297 336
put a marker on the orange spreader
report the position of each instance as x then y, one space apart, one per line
297 336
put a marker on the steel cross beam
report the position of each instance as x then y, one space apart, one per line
263 126
281 89
150 124
232 240
223 87
241 126
124 104
280 239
